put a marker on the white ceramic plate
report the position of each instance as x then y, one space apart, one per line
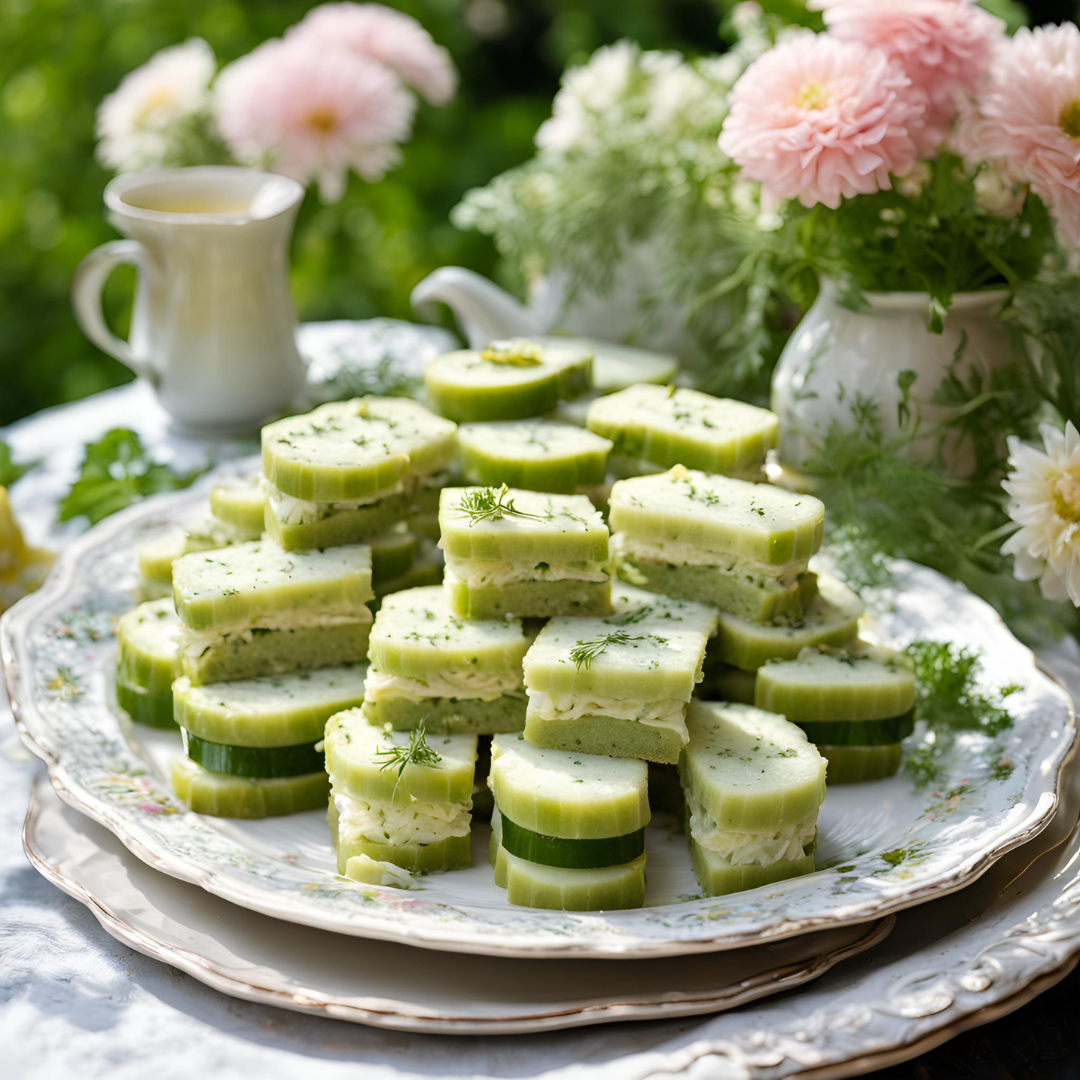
378 983
887 846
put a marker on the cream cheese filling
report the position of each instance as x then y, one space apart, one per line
750 848
682 554
488 573
292 511
194 643
416 823
481 685
669 712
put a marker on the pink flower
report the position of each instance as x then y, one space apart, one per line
1027 119
392 38
945 46
818 120
313 113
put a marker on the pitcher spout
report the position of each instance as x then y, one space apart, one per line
484 311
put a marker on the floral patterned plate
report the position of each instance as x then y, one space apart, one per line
882 847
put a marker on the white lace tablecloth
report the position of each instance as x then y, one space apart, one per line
76 1003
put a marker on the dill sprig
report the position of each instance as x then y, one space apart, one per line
417 752
628 618
487 504
585 652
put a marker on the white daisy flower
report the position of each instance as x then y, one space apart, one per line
1045 502
136 121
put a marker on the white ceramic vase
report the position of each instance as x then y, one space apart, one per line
839 361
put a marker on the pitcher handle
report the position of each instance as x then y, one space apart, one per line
86 289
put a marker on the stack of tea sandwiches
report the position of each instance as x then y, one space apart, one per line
528 661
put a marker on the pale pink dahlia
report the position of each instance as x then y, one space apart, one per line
819 120
1027 118
313 113
945 46
392 38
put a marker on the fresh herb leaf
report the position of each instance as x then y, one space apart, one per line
487 504
116 471
585 652
10 469
416 752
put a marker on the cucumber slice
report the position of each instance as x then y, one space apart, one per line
351 450
541 455
615 366
453 853
220 795
256 654
831 619
614 736
360 760
750 770
392 554
756 523
572 854
157 556
608 888
153 589
717 876
874 684
147 646
449 716
855 764
153 708
262 762
240 504
527 599
424 572
723 682
573 796
672 426
859 732
282 710
243 584
652 649
415 635
531 528
340 527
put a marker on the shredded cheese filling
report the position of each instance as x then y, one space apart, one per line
484 573
683 554
481 685
416 823
750 848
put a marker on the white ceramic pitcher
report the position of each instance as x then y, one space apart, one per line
213 327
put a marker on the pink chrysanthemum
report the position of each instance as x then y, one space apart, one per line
1028 118
945 46
818 120
313 113
392 38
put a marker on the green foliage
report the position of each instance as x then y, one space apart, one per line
10 469
116 471
951 701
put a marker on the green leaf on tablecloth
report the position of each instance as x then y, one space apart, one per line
10 469
116 471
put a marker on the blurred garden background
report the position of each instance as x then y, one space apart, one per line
354 259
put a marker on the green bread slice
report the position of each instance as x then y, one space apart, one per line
832 619
649 649
255 654
349 450
755 523
857 764
718 877
528 884
614 736
616 366
416 634
572 795
221 795
528 599
541 455
450 715
748 595
360 760
240 505
872 684
531 527
281 710
675 426
245 584
750 770
147 646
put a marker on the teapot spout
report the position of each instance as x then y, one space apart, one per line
484 311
